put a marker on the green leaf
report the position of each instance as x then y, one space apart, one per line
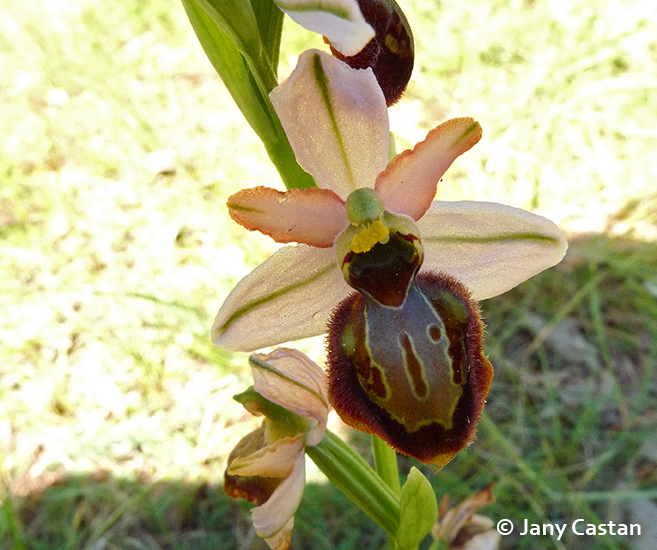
419 511
242 84
349 472
234 72
238 21
270 23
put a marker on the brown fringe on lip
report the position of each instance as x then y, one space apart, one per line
432 443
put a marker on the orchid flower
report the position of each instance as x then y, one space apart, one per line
268 465
405 356
337 121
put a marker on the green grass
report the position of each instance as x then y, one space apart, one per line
572 409
119 148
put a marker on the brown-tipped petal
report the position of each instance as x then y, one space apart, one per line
408 184
455 519
310 216
253 488
274 460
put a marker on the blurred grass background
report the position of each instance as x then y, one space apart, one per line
119 147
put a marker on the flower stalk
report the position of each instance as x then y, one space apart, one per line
352 475
385 463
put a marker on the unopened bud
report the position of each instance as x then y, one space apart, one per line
390 53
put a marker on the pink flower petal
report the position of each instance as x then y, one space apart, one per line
275 460
310 216
489 247
274 519
336 120
287 297
408 184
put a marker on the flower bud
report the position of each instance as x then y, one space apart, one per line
390 53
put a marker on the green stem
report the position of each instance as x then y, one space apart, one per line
349 472
282 156
385 463
249 77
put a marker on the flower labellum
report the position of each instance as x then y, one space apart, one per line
404 352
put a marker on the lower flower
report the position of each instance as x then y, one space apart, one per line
405 356
267 467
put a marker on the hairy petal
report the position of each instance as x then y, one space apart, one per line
275 460
290 379
489 247
287 297
310 216
274 519
341 21
408 184
336 120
